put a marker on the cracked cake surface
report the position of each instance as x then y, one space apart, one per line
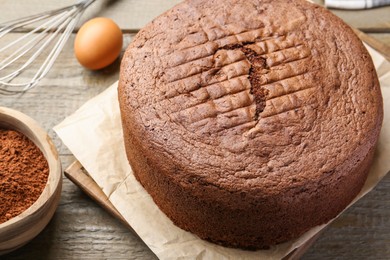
249 122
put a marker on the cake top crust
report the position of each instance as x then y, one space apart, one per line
249 96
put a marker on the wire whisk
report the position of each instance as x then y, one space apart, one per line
42 34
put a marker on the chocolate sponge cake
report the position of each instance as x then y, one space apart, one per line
249 121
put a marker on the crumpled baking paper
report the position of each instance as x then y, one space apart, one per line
94 135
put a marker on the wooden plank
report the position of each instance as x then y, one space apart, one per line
78 175
131 15
382 37
381 47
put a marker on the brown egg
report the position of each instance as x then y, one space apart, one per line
98 43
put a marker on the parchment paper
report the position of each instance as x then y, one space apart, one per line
94 135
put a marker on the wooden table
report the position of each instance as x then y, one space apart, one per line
81 229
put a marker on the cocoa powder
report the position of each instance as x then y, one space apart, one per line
23 173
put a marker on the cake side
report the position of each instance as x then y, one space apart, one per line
249 128
267 223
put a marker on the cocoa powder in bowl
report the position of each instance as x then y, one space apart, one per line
23 173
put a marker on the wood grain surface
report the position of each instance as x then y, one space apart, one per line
81 229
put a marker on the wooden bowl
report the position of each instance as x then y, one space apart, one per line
19 230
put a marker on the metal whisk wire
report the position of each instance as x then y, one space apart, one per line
54 24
